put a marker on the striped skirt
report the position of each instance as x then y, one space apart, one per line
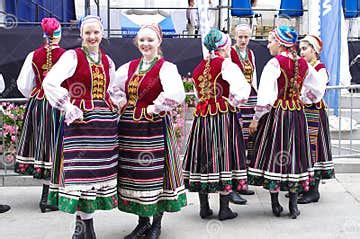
36 148
324 166
215 157
84 179
246 115
283 160
149 178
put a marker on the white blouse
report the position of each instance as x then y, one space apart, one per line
26 79
231 73
62 70
268 89
170 79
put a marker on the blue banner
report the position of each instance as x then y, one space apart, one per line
330 33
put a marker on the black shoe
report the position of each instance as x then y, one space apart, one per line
246 192
225 212
311 196
79 232
43 201
155 230
299 195
89 229
237 199
205 210
141 229
294 211
4 208
275 205
84 229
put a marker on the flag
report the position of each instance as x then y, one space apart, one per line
328 20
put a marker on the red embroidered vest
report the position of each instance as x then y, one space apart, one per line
246 66
41 69
142 89
89 82
289 88
211 88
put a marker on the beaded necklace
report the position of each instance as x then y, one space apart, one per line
313 62
151 64
88 56
239 54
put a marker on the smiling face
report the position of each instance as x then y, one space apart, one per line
148 43
307 51
242 39
91 35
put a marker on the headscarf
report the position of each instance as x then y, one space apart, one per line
51 27
243 27
285 35
315 42
90 19
154 27
216 39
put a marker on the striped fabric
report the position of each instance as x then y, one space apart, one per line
313 122
149 176
36 148
246 115
215 157
324 166
86 179
283 160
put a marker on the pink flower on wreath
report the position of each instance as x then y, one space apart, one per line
38 170
11 107
9 129
13 138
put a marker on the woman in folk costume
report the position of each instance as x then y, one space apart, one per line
215 160
283 161
318 122
244 57
150 180
36 149
85 180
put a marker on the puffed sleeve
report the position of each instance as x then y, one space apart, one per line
64 68
26 79
117 85
268 91
173 92
232 73
314 85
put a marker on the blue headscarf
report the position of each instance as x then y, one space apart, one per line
215 39
287 36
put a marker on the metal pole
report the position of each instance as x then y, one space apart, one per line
87 7
219 22
339 117
97 7
108 18
228 17
351 118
